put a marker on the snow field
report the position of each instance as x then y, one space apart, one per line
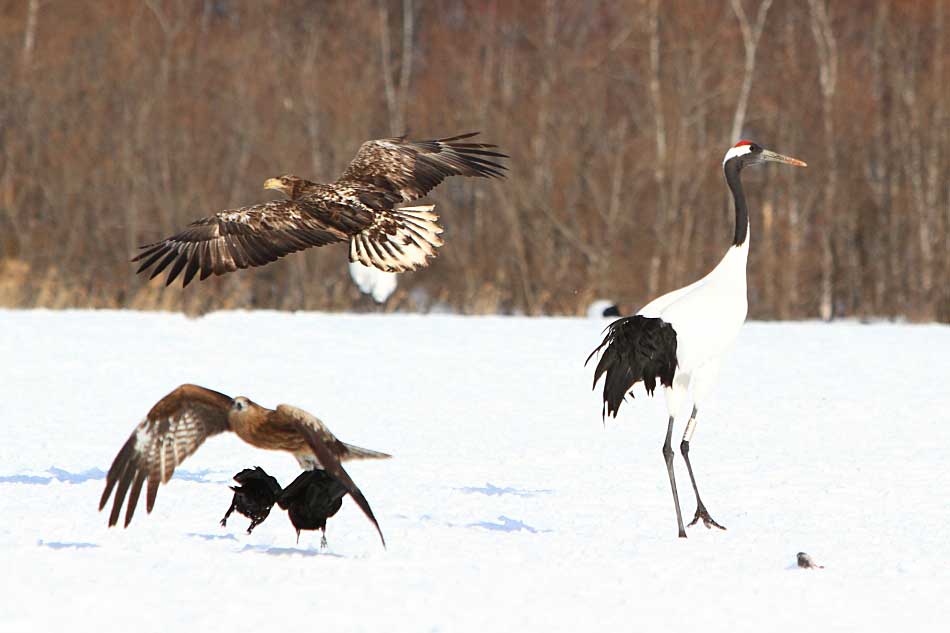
508 505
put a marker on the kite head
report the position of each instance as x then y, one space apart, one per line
241 404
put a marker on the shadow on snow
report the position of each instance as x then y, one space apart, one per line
287 551
94 474
506 524
64 544
494 491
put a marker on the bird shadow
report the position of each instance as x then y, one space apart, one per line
504 524
287 551
507 524
491 490
56 474
200 476
65 544
213 537
95 474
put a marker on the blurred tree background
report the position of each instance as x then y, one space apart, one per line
122 121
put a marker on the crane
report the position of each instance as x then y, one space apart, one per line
681 338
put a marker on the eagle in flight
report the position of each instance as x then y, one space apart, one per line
359 208
181 421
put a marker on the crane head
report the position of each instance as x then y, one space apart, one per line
749 153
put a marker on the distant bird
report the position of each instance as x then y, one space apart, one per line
312 498
254 498
181 421
805 562
680 338
602 308
359 208
372 281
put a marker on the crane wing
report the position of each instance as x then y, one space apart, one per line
635 349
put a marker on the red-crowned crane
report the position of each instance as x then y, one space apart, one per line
680 339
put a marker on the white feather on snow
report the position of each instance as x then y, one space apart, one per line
374 282
507 505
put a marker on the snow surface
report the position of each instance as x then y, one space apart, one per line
508 505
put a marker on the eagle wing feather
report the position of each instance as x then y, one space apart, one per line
252 236
408 170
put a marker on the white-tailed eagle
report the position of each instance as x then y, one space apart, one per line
359 208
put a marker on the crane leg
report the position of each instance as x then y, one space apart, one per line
701 512
668 456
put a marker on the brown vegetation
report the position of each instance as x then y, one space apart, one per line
121 121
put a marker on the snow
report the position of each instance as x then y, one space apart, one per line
508 505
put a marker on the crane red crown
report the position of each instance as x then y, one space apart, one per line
741 143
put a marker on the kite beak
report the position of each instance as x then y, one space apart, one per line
273 183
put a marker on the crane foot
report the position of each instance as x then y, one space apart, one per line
708 521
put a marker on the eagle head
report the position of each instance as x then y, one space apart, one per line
290 186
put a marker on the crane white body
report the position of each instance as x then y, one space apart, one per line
707 316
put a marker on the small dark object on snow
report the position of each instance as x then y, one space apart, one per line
611 311
254 498
805 562
312 498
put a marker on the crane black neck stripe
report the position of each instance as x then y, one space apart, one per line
732 169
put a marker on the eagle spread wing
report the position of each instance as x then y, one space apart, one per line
174 429
252 236
329 451
408 170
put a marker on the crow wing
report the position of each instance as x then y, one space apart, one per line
174 429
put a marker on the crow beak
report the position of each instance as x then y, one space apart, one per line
779 158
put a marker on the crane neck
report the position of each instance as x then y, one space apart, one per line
732 169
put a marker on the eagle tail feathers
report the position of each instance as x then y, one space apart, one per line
399 240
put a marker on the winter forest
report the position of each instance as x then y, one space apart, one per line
122 121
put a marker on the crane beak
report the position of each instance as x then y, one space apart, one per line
779 158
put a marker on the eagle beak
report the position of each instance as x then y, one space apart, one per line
273 183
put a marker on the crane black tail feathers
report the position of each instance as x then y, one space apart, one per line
635 349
